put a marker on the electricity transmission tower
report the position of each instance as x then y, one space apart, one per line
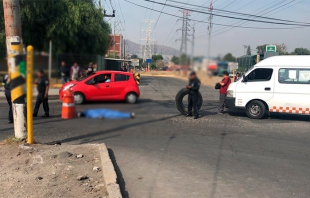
184 39
148 46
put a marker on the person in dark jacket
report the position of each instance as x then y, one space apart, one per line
65 72
6 83
193 86
43 87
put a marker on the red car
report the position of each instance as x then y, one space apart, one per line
104 86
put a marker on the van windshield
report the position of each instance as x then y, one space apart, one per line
249 70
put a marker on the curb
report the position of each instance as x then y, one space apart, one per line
109 174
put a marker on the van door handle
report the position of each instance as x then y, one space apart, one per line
267 88
107 86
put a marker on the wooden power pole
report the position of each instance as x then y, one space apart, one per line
16 64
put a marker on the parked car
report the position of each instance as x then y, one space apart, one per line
104 86
277 84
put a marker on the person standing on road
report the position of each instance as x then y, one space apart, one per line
225 82
6 83
43 87
193 86
75 72
65 73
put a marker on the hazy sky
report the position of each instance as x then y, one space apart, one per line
231 40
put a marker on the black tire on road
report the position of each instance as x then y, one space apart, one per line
255 109
131 98
79 98
179 100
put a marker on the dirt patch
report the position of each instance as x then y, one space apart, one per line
51 171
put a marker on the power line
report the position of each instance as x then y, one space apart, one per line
257 11
232 17
159 16
247 27
263 13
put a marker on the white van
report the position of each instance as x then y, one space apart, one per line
277 84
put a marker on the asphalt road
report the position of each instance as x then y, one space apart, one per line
161 153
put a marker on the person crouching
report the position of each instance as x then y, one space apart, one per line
193 86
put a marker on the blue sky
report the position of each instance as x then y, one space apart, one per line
231 40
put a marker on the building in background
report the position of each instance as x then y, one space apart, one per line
116 46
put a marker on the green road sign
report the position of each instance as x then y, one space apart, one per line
271 48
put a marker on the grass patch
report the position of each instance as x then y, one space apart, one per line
12 140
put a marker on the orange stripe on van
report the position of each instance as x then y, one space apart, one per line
293 110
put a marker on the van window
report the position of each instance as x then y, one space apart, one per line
261 74
121 77
294 76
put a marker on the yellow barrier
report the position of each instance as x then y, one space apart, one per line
137 76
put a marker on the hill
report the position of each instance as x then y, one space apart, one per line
134 48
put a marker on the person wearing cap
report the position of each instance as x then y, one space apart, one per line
6 83
193 86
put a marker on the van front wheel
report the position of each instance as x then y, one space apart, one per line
255 109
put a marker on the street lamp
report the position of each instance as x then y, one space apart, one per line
245 47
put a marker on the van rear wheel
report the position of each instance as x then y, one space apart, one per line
255 109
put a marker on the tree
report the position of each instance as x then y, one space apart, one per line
134 56
248 51
301 51
281 48
175 60
156 58
140 61
74 26
160 64
229 58
185 60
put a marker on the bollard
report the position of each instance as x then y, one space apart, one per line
29 83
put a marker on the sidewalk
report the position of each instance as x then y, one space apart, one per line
52 92
57 171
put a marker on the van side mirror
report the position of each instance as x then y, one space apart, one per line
244 78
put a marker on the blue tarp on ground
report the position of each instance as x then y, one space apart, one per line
106 114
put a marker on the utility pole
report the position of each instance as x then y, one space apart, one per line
114 40
16 64
104 11
193 46
148 48
50 61
209 31
184 39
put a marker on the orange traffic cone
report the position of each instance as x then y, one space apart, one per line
68 106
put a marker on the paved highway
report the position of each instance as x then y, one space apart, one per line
161 153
